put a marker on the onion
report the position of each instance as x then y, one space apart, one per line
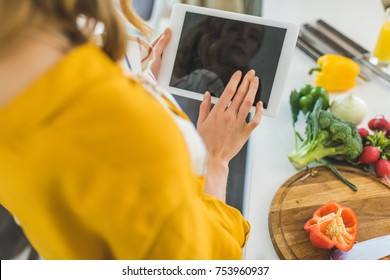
349 108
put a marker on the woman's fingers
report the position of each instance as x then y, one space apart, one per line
249 98
204 109
255 121
159 46
229 92
152 44
160 43
239 98
235 101
242 91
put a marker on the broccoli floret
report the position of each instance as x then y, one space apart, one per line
326 136
325 120
323 136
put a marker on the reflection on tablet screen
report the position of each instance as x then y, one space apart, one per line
211 49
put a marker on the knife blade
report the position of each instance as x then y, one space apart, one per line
362 59
372 249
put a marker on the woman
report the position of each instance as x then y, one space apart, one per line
96 165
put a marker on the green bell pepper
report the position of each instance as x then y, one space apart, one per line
304 99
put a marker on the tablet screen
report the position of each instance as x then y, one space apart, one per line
211 49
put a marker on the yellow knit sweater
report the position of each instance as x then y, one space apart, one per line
94 167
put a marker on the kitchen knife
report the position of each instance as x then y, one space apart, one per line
327 40
353 44
313 53
362 58
372 249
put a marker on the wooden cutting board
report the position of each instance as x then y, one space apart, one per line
295 202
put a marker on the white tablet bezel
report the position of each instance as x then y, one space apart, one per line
176 24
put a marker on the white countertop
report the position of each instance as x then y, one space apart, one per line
273 139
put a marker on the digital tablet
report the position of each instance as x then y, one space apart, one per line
208 46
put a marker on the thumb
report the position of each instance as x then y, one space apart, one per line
161 42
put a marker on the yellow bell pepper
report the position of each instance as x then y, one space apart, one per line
336 73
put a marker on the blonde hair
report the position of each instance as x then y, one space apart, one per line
17 16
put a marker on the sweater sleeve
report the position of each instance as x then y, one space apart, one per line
202 228
162 212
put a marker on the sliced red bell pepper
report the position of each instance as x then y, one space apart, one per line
333 225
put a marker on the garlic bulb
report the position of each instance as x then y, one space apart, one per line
349 108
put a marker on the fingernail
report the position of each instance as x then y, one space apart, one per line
252 72
206 95
167 30
237 72
256 79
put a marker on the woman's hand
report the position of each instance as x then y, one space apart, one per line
159 45
225 128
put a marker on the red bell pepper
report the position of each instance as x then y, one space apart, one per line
333 225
